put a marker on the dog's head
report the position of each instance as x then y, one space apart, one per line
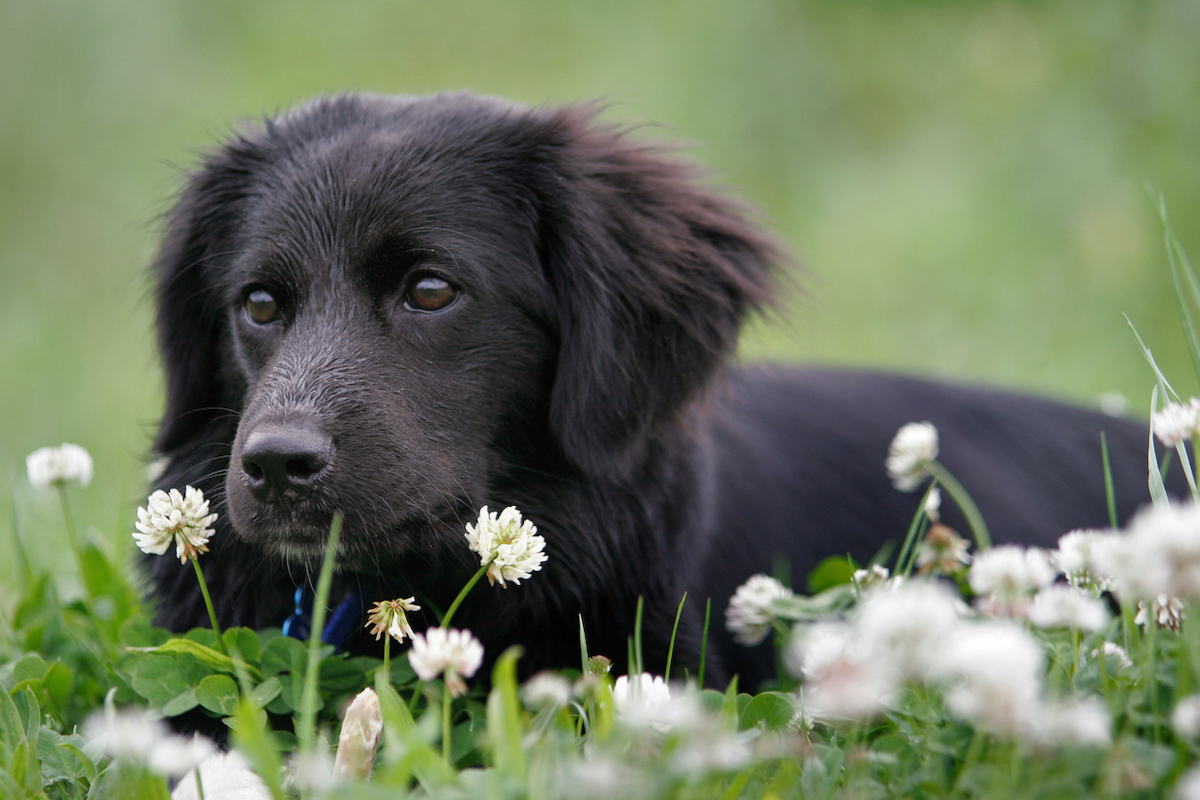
399 300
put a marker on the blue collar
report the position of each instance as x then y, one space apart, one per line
345 620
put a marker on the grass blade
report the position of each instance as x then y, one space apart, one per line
308 700
1158 491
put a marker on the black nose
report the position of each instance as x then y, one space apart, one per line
281 463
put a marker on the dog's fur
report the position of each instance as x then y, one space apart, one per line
579 375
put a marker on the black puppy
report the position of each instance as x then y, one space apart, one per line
405 309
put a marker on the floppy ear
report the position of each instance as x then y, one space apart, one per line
652 273
199 236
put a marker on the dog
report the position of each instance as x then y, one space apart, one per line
404 309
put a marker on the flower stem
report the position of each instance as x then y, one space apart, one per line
446 723
1152 666
462 595
979 529
387 657
70 523
907 557
208 603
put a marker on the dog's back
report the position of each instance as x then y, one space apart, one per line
798 456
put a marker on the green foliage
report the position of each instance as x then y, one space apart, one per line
729 744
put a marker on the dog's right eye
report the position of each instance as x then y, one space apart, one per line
261 307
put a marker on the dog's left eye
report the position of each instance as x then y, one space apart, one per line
261 307
430 293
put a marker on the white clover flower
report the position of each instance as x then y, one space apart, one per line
128 733
546 690
388 616
1060 606
642 691
1185 719
749 616
873 575
711 748
1176 422
58 466
841 679
223 775
644 701
994 670
800 722
132 734
1188 786
1079 721
907 626
915 445
1114 404
942 549
1006 578
1159 554
182 519
359 738
1114 651
451 653
1168 612
1079 556
600 777
511 548
308 772
178 755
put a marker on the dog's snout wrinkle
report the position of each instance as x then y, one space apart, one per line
282 463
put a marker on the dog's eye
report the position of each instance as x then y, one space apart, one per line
261 307
430 293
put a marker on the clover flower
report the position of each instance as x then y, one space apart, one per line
644 701
909 455
842 681
174 517
994 670
1077 721
546 690
599 665
1188 785
178 755
942 549
1167 612
908 625
1185 719
1077 558
451 653
1060 606
1007 577
509 547
749 616
57 466
133 735
388 616
1159 554
1114 651
308 772
641 691
873 575
1176 422
224 775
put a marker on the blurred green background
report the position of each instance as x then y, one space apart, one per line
964 181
